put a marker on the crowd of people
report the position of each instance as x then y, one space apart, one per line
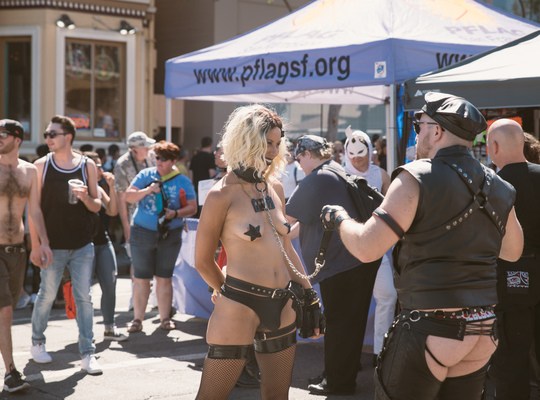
450 257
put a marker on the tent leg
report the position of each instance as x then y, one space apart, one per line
168 128
391 131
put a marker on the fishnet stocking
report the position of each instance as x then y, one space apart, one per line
219 377
276 373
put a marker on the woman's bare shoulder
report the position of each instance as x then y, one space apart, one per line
223 191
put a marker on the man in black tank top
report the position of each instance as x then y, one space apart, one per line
518 311
449 218
70 229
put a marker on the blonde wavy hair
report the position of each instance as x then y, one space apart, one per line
244 140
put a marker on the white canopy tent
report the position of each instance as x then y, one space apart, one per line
359 49
507 76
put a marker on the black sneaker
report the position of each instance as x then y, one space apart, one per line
315 380
14 382
115 335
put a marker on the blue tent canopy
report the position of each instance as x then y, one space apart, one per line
342 52
331 44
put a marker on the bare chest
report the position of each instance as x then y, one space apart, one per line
255 220
14 182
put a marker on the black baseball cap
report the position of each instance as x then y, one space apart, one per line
14 128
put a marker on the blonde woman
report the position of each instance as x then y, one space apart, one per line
257 303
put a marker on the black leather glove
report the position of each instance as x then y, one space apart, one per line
312 316
332 216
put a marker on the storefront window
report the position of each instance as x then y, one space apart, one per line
15 79
95 88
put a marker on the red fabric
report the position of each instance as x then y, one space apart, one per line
183 198
71 308
222 258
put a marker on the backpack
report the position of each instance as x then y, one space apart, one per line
365 198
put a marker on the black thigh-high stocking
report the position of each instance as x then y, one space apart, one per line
276 373
219 377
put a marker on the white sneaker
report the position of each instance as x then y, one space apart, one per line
90 365
39 354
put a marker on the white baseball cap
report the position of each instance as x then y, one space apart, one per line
139 139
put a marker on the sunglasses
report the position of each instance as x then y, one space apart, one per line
417 125
161 158
5 134
52 134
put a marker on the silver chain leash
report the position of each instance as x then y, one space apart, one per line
318 266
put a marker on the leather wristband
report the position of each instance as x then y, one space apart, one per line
340 218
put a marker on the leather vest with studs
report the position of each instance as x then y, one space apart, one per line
448 256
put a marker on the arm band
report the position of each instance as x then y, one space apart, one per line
391 222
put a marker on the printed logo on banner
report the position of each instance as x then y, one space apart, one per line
380 69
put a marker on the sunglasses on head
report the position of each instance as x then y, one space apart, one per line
161 158
417 125
52 134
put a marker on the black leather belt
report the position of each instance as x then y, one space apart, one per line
12 249
239 285
465 313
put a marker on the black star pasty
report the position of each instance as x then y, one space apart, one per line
253 232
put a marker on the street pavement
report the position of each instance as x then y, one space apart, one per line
151 365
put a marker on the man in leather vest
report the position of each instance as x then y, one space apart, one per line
518 310
450 219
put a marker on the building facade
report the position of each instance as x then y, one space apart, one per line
92 60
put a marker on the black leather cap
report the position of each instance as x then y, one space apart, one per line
14 128
453 113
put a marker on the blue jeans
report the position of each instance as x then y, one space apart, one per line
80 265
106 271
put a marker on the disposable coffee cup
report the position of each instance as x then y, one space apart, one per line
73 183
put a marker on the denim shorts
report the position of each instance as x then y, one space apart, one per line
152 256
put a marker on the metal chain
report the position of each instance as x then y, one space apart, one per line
318 266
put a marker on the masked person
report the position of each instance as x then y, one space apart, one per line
358 156
258 300
451 218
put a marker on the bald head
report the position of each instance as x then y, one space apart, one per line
505 142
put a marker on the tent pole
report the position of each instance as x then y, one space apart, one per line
168 134
391 130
